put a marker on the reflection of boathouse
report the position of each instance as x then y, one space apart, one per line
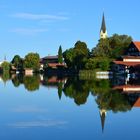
128 88
132 92
52 82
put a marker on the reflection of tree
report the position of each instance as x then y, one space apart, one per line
31 83
76 89
100 86
106 98
114 101
17 80
5 76
60 86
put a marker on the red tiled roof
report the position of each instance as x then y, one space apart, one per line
137 44
137 103
126 63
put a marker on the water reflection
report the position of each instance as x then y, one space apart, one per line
110 95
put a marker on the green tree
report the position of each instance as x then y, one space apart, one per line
91 64
17 62
81 54
32 60
69 56
102 49
5 66
119 44
76 57
60 55
112 47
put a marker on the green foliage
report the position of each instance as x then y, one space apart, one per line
81 54
119 44
112 47
60 55
5 76
77 90
102 49
76 57
5 66
60 87
17 80
102 63
17 62
106 98
31 83
69 56
32 60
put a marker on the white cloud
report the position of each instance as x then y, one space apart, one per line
31 16
28 31
29 109
33 124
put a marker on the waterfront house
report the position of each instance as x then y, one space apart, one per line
131 61
133 49
51 61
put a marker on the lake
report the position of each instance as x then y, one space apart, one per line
75 108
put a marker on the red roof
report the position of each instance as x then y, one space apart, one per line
137 44
137 103
126 63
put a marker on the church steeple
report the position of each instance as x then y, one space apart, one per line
103 31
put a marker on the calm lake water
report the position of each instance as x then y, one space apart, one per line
42 108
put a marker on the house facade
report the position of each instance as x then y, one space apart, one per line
51 61
131 61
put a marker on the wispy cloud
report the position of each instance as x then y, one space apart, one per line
31 16
29 109
28 31
33 124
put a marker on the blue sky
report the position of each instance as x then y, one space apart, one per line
43 25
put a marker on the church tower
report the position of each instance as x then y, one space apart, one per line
103 31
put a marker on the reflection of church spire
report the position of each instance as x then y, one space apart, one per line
4 57
102 116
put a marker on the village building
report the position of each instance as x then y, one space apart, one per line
51 61
129 63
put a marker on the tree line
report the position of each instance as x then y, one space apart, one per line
79 57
